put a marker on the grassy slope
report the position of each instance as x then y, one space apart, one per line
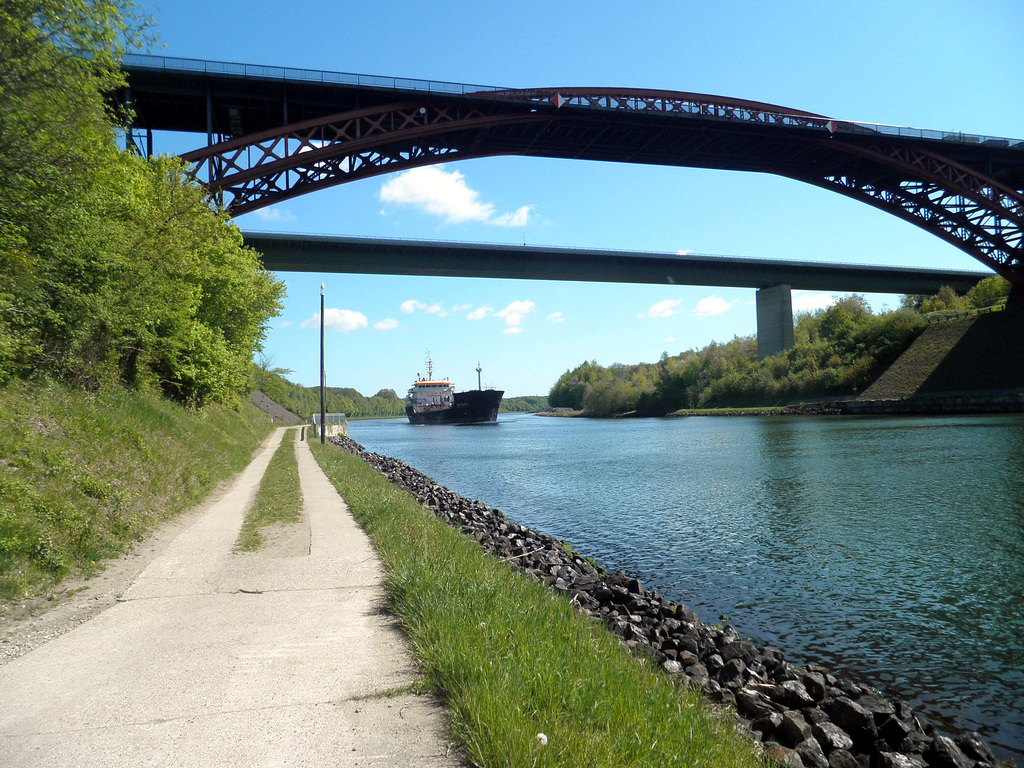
513 660
279 499
973 353
906 375
990 356
83 475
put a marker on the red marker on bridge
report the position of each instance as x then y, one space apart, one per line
558 100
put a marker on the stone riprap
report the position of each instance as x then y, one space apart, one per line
804 716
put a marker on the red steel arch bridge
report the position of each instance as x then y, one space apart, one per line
274 133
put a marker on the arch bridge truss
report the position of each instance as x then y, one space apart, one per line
908 177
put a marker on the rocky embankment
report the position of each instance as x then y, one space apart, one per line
805 716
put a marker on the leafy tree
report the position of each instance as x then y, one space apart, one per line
989 292
946 300
113 268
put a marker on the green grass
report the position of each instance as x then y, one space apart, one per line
762 409
914 367
83 475
279 499
511 659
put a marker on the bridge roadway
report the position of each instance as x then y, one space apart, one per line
773 279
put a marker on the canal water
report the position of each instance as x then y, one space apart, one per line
891 549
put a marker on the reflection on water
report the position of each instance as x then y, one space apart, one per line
889 548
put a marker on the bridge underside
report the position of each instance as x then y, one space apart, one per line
772 278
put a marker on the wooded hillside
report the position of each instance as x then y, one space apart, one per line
837 350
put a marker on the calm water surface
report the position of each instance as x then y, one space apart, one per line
891 549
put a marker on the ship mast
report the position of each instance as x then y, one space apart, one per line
478 369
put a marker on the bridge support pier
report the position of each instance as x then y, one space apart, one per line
774 320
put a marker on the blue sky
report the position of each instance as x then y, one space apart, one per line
944 65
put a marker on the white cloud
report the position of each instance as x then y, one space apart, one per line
480 312
341 320
670 339
712 305
274 215
411 305
687 252
387 324
664 308
808 301
440 193
462 307
556 317
520 218
512 331
515 312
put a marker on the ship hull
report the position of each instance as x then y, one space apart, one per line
476 406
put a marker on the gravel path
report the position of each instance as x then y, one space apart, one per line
186 653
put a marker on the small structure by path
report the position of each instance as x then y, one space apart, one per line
217 658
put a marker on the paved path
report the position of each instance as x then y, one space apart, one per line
219 659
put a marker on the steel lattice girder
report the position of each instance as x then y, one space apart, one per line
977 214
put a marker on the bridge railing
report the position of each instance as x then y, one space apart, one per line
173 63
176 64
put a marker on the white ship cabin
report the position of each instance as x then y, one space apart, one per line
431 395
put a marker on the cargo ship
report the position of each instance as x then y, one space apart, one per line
435 401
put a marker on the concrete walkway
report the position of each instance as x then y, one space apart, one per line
219 659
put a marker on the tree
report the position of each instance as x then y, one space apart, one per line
113 268
55 138
945 300
989 292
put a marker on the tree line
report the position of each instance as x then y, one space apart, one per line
837 351
114 269
305 401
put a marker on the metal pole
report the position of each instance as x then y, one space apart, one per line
323 402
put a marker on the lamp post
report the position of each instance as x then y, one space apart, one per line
323 402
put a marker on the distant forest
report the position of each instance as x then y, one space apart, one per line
838 351
305 401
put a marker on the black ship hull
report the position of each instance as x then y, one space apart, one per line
473 407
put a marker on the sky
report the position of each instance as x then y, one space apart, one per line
953 66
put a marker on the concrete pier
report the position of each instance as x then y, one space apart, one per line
774 320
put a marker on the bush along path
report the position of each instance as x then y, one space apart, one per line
805 716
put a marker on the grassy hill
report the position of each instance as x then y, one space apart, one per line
82 475
978 353
989 356
909 372
305 401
